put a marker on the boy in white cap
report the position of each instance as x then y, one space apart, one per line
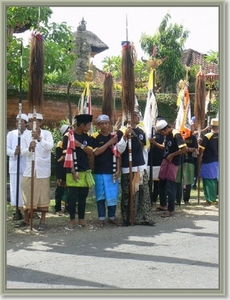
13 151
173 146
106 171
40 142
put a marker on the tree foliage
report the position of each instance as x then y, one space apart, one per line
20 19
170 40
113 64
212 57
58 43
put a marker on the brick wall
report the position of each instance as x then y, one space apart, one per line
53 112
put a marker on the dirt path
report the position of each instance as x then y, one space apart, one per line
56 224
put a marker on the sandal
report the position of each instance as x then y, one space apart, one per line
17 216
161 209
115 222
42 226
100 224
69 227
167 215
58 213
22 224
81 223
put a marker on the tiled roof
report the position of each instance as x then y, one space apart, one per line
191 57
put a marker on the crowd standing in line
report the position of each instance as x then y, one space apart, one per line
111 159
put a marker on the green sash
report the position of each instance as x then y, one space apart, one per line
85 179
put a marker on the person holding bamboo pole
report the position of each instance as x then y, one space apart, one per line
208 156
139 187
106 171
41 143
13 150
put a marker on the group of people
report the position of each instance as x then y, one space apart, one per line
34 152
117 155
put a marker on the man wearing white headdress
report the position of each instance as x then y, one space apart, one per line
40 142
13 150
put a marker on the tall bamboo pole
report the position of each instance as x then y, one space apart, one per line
35 93
128 102
32 171
19 137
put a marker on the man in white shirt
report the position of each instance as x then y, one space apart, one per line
40 142
15 158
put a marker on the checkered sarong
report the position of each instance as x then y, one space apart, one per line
69 151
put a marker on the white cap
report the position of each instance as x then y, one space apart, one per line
214 122
103 118
64 128
161 124
23 117
38 116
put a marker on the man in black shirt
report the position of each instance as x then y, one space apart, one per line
77 145
139 185
106 171
208 153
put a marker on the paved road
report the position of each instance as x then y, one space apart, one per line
178 253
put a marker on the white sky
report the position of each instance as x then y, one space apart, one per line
109 24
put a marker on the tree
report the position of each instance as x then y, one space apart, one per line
212 57
113 64
169 39
59 57
20 19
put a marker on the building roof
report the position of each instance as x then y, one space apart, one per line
96 44
191 57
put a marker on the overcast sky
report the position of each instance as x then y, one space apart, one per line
109 24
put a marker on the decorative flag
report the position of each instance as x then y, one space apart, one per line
151 109
184 113
200 101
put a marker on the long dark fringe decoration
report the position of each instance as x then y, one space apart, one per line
199 104
107 101
36 71
128 81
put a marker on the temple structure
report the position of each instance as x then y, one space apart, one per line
87 45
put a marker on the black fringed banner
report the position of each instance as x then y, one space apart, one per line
36 71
